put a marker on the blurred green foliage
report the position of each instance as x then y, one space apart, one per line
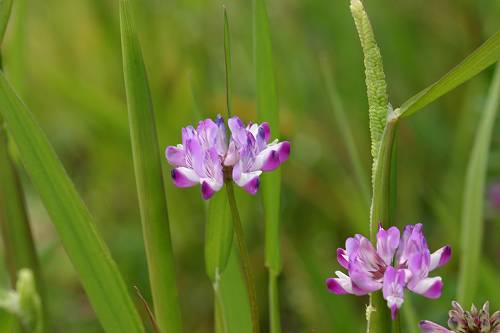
64 57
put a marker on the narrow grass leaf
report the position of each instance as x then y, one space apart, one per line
16 232
267 110
5 9
219 228
86 249
149 179
345 130
473 204
234 296
227 61
484 56
218 236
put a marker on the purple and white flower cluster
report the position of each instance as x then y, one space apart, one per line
207 158
396 263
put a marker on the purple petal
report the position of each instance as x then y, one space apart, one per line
394 311
207 191
334 286
343 285
387 243
284 149
430 327
440 257
187 134
342 258
231 155
268 160
175 155
252 186
184 177
238 131
428 287
393 289
265 131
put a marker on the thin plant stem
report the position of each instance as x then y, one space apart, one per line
274 305
396 325
377 314
220 321
245 259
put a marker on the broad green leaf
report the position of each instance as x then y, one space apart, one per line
5 9
86 249
235 297
473 204
484 56
267 110
218 236
376 87
149 179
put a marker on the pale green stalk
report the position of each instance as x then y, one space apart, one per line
149 179
267 110
377 314
244 257
383 124
473 205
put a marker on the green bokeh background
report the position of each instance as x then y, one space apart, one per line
64 58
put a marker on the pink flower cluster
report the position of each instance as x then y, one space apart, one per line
207 158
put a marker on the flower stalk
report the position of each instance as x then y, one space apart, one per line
244 257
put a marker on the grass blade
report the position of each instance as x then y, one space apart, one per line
219 229
5 10
234 297
16 232
473 204
218 236
345 130
149 179
86 249
267 110
484 56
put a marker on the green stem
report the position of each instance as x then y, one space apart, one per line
274 304
220 321
396 326
378 316
245 259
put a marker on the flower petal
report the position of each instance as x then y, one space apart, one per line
341 285
387 243
393 289
343 258
283 149
249 181
430 327
267 160
175 155
428 287
184 177
440 257
208 189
